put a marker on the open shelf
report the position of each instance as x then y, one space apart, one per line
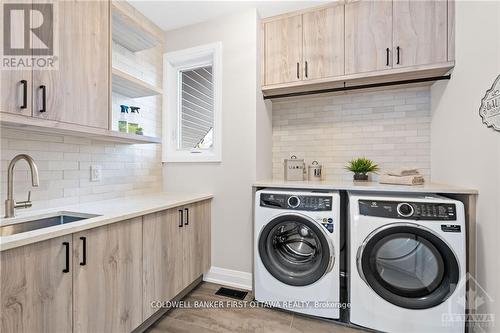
131 33
126 84
55 127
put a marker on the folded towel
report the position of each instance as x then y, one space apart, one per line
403 172
402 180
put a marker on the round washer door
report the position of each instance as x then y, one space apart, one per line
295 250
408 266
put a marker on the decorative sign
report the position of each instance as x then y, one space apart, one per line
490 106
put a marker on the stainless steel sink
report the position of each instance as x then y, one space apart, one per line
42 221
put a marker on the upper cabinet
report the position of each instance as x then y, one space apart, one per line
420 32
283 50
356 42
304 46
77 91
74 96
323 38
368 36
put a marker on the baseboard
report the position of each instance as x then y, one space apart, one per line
228 277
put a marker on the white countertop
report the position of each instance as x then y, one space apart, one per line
109 211
364 186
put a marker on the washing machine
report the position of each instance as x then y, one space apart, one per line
296 258
407 263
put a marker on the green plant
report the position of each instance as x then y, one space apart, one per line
362 165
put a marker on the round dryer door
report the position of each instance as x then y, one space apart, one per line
295 250
409 266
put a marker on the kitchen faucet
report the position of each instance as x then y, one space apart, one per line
10 203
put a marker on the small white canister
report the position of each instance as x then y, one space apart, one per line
294 168
314 171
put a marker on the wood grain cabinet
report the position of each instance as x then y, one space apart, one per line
104 279
176 251
420 32
107 269
368 36
304 46
36 287
283 50
323 38
77 91
356 42
162 258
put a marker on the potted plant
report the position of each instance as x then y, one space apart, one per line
361 167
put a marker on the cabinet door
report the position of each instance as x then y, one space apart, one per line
77 91
162 258
15 83
420 32
324 43
190 269
368 36
36 295
283 50
202 228
108 278
15 86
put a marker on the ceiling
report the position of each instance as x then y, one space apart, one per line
169 15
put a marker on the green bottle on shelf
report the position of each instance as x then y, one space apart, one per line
122 122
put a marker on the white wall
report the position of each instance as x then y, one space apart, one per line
465 152
231 180
391 127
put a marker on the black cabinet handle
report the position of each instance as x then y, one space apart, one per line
397 55
306 69
44 98
66 269
84 250
187 216
181 218
298 71
387 52
24 83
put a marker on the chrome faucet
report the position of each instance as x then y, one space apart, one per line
10 203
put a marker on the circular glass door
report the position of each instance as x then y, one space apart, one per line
294 250
409 266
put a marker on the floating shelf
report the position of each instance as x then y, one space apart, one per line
131 33
55 127
126 84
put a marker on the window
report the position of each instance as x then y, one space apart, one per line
192 105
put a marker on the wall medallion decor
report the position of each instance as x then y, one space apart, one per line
490 106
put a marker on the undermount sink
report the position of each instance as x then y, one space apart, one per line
40 222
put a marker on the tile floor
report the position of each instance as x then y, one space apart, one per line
231 320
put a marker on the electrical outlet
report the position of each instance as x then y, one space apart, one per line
95 173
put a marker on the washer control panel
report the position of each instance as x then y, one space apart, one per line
313 203
409 210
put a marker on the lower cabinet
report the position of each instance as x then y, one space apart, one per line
176 253
36 287
107 278
104 279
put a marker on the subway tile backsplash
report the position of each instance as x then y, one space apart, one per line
64 168
391 127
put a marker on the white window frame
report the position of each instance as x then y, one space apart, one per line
173 63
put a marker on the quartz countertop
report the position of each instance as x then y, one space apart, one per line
109 211
366 186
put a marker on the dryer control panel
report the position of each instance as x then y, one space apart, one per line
313 203
430 211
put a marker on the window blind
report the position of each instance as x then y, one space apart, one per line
197 108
